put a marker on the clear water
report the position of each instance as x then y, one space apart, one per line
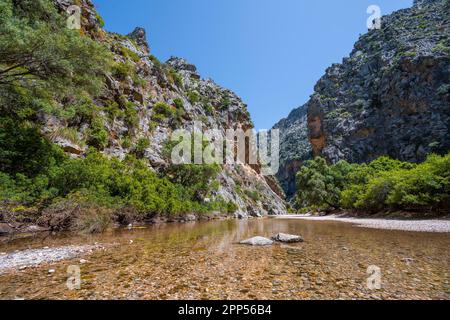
204 261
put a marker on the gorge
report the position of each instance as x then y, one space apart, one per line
88 182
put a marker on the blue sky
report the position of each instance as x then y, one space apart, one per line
270 52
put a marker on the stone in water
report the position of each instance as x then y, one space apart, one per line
287 238
257 241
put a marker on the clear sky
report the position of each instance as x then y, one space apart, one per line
270 52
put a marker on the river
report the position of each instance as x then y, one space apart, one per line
204 261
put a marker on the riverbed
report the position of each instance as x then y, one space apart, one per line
204 261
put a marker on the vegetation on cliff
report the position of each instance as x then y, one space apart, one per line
48 70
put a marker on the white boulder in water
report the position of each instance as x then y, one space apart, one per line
257 241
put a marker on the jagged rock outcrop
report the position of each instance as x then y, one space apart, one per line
140 83
391 96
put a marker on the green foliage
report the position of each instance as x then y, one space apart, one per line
209 109
318 183
100 20
231 207
69 133
178 103
444 89
97 134
441 47
174 77
198 177
226 102
163 112
39 53
155 61
141 146
384 184
193 97
253 194
122 70
23 149
163 109
109 181
131 115
129 54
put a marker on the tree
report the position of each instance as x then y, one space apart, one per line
41 57
318 184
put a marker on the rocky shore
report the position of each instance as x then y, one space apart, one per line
435 225
20 260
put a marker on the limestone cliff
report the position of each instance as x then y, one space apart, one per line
143 82
391 96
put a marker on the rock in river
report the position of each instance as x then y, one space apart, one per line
288 238
257 241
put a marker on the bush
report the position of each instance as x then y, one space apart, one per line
97 134
384 184
122 70
163 109
109 183
193 97
131 115
318 184
39 51
141 146
175 78
129 54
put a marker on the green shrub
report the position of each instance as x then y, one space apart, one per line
100 20
209 109
40 53
24 150
127 53
178 103
252 194
97 134
110 183
162 111
384 184
319 184
193 97
441 47
131 115
231 207
174 77
122 70
444 89
155 61
141 146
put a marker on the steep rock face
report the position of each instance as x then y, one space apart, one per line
294 148
190 99
391 96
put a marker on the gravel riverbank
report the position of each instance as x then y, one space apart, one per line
438 226
19 260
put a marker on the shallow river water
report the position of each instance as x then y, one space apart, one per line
204 261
